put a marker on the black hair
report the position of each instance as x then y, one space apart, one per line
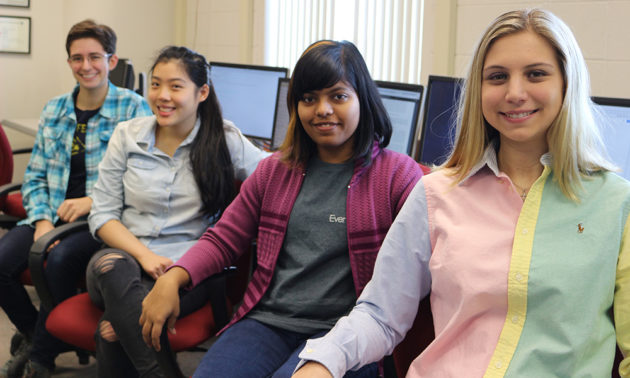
90 29
323 64
209 155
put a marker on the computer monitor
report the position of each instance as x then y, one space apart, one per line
614 119
402 102
439 126
281 115
247 95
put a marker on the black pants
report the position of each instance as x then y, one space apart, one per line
65 267
117 284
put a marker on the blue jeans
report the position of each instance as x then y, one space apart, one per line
250 349
65 267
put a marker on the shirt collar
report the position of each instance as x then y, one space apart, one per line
489 159
106 110
147 136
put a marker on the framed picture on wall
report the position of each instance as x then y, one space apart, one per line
15 3
15 34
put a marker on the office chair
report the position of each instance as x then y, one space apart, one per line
10 202
75 320
123 75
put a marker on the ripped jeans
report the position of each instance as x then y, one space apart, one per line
117 284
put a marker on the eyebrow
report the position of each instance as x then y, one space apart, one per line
529 66
170 80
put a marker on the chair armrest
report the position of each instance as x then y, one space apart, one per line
19 151
10 187
216 290
37 257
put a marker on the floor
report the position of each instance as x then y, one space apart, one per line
68 363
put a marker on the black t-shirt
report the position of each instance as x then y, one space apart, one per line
76 181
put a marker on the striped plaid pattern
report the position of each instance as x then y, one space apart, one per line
46 177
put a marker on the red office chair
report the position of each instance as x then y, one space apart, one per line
75 320
426 170
10 202
11 209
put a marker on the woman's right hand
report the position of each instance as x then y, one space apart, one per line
161 306
154 265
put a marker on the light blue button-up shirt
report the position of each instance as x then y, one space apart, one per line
155 195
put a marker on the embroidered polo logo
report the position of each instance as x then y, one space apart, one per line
580 228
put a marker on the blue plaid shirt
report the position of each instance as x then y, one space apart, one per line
46 177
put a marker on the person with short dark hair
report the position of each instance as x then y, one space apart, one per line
73 133
319 208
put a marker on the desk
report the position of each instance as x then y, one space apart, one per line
25 125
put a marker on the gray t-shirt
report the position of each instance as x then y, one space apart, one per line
312 286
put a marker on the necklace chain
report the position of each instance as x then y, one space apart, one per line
524 191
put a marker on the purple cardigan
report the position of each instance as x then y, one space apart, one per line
262 209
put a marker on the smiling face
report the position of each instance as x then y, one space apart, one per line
330 116
90 63
174 97
522 88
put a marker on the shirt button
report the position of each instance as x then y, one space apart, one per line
498 364
525 231
518 277
515 319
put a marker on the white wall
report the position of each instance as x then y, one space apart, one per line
600 27
232 31
28 81
222 30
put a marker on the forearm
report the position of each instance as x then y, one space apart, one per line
177 276
116 235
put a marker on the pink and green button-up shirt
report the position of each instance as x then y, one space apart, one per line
538 288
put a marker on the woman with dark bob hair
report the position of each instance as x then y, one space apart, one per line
320 209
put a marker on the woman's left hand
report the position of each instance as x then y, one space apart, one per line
161 306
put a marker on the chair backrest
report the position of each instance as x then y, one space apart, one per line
123 75
418 337
6 163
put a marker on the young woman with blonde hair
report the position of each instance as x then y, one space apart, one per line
521 239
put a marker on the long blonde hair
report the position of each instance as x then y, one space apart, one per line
573 137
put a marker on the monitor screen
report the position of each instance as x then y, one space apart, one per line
281 116
247 95
439 122
614 120
402 102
